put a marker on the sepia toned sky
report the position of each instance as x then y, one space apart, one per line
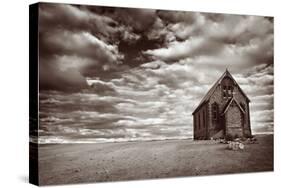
117 74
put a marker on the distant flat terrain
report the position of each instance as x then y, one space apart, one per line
76 163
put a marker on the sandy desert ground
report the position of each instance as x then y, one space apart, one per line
76 163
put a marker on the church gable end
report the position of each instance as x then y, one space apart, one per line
224 103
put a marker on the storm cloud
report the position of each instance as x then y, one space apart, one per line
118 74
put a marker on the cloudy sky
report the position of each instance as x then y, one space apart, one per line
117 74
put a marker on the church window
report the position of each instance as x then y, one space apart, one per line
224 92
229 91
215 111
199 120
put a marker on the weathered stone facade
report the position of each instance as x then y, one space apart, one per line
223 111
234 120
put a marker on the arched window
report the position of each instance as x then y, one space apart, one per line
227 88
204 118
224 92
196 121
230 91
199 120
215 109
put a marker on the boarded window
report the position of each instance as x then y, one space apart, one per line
195 122
229 91
227 87
203 118
215 111
199 122
224 92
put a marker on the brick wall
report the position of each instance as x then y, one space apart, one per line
201 123
215 126
240 98
233 120
212 127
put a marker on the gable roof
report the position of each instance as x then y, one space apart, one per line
229 103
213 88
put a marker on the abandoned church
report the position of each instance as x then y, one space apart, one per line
223 111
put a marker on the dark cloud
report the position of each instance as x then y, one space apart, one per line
75 19
137 74
213 37
133 55
178 16
53 78
139 19
102 89
69 50
86 40
83 44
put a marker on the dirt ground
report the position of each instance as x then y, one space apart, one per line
77 163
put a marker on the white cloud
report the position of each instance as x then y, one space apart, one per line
176 50
152 99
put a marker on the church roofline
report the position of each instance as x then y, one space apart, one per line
213 88
229 103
